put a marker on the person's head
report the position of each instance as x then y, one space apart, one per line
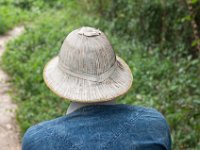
87 69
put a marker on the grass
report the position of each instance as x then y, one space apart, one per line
171 86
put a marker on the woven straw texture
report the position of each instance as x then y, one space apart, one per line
87 69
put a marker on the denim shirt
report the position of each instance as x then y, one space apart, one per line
101 127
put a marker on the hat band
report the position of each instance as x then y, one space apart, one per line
96 78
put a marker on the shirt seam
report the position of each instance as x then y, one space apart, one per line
64 139
120 132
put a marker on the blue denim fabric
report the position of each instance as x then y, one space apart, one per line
101 127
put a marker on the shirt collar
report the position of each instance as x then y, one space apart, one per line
74 105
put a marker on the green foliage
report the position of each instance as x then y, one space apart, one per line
9 19
25 64
158 23
35 4
166 75
13 12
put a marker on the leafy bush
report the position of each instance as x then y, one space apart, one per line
158 23
35 4
9 19
167 81
14 12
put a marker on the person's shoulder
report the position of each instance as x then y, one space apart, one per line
149 122
154 117
145 112
146 118
39 133
46 125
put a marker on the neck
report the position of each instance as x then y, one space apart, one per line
74 105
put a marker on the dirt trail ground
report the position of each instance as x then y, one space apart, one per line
9 131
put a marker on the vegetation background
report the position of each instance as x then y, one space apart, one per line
159 39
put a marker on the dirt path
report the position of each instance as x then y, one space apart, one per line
9 132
